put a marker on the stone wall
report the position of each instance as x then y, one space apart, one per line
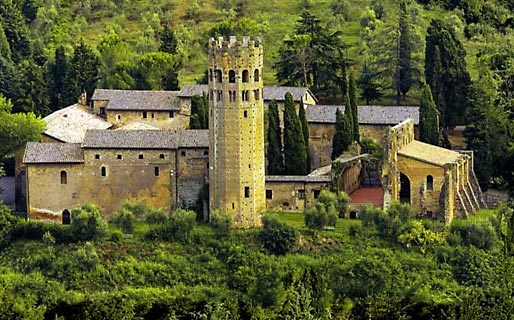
191 176
292 195
158 119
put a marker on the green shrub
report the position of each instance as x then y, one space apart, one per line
87 223
277 237
116 236
138 209
326 210
479 234
8 223
220 222
124 219
177 228
155 216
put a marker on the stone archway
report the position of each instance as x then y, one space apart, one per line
404 188
66 216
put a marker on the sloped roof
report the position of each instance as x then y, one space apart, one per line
37 152
71 123
322 113
131 139
137 99
270 92
428 153
194 138
387 115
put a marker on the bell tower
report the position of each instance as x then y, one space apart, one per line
236 130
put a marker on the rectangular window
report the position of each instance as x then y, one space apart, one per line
183 153
102 111
316 194
97 156
156 171
301 194
269 194
103 171
247 192
120 157
141 156
153 115
144 115
171 114
256 93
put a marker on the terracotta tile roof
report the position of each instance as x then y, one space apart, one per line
270 92
428 153
388 115
321 179
131 139
194 138
137 99
373 196
71 123
37 152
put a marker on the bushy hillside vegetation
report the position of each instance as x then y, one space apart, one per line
385 266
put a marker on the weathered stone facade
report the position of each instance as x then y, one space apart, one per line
236 130
293 193
437 182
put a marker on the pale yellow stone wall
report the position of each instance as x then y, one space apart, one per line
127 179
159 119
285 196
236 128
320 144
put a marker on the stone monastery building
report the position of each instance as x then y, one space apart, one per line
134 146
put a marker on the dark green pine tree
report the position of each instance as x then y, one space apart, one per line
450 75
168 41
404 68
341 139
295 155
57 77
428 118
274 148
170 79
368 85
199 112
33 90
352 97
305 130
82 73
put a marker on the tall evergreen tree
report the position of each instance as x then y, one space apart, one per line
57 76
367 83
428 118
295 155
82 73
274 148
199 118
341 139
352 97
451 77
168 41
33 90
404 68
305 131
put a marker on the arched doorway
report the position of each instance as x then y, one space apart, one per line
66 217
404 188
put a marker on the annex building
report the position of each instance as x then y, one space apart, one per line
130 145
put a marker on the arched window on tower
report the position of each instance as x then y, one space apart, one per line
232 76
256 75
218 76
245 75
64 177
210 75
430 182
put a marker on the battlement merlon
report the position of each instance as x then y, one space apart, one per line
233 45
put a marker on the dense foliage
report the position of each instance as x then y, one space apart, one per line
385 265
274 141
295 151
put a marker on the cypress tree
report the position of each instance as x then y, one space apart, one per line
428 118
449 75
57 75
353 106
274 149
295 155
341 139
168 41
83 73
199 112
305 131
404 68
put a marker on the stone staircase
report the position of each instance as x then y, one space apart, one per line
470 198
